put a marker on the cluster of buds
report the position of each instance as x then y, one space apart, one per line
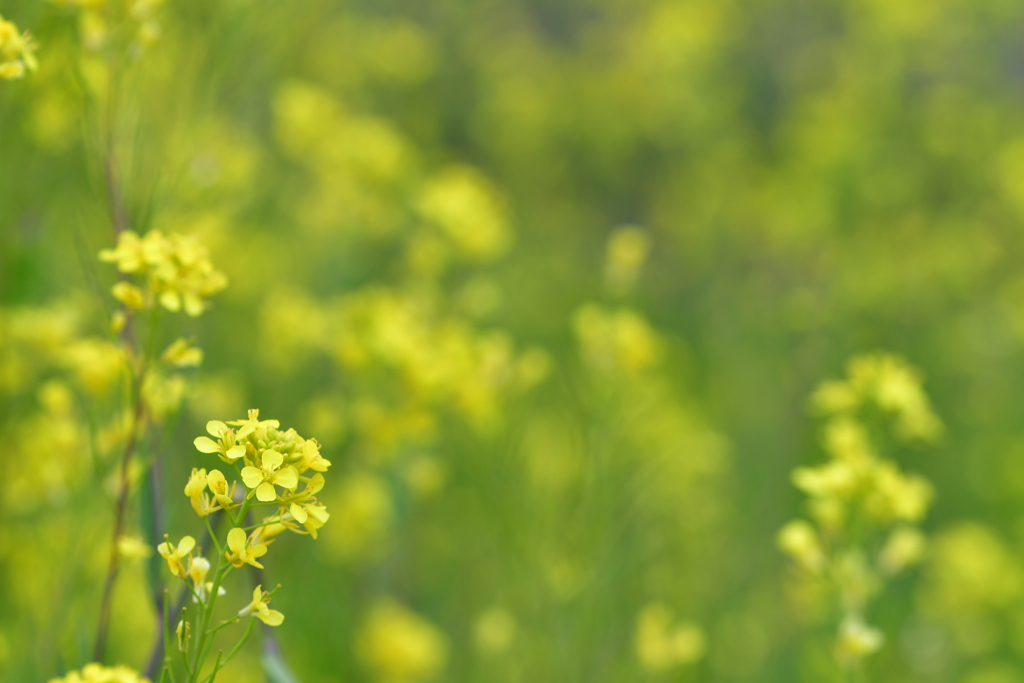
17 51
173 271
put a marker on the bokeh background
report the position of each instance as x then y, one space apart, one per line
551 282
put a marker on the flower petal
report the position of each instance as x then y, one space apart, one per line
298 513
205 444
271 617
266 492
272 460
286 478
236 540
216 428
252 477
313 486
235 452
186 544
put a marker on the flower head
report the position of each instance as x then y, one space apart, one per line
258 608
175 555
227 445
17 51
195 489
243 550
175 270
270 473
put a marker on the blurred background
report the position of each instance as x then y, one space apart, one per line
551 282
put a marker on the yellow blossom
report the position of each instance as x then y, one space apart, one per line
399 646
17 51
227 447
97 673
660 644
799 539
258 608
268 474
129 295
175 269
242 551
218 484
253 423
181 354
195 489
857 640
133 548
174 555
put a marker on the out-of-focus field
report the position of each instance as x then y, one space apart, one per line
552 284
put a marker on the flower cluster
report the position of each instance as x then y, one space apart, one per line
864 507
272 464
173 270
97 673
17 51
99 20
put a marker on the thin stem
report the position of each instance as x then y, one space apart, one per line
216 668
114 564
240 643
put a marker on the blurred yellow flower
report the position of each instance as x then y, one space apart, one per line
97 673
175 555
181 354
398 646
175 269
662 644
17 51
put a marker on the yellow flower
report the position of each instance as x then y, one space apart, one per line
311 458
258 608
660 644
176 270
310 515
219 487
175 555
227 447
242 551
97 673
17 51
268 474
857 640
251 425
399 646
195 489
799 539
133 548
180 354
129 295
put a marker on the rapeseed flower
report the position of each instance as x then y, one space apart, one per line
17 51
242 550
97 673
269 474
175 555
174 271
258 608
